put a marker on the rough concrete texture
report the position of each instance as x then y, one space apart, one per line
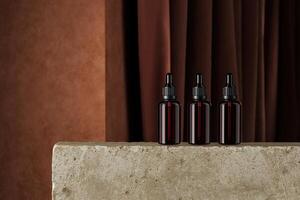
86 171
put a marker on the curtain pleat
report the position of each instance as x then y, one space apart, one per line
178 27
198 49
225 58
256 40
271 38
288 116
154 59
260 92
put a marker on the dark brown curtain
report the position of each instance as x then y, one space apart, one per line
256 40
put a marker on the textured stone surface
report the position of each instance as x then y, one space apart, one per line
150 171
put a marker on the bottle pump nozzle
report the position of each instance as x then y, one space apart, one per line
229 89
198 90
168 90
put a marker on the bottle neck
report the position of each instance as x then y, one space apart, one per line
199 98
230 98
169 98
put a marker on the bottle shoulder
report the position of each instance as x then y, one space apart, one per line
173 102
230 101
202 102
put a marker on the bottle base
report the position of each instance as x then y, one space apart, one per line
229 143
199 143
169 143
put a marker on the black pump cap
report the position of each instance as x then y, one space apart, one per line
168 91
198 90
229 89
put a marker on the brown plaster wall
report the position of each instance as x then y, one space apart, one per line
52 87
115 70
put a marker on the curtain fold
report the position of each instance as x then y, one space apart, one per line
178 27
225 57
271 66
198 48
154 59
288 115
260 121
256 40
251 32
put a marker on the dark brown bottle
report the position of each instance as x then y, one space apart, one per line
230 115
169 115
199 115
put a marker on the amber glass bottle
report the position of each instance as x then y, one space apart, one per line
199 115
169 115
230 115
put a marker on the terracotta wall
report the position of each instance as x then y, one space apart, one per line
115 70
52 82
